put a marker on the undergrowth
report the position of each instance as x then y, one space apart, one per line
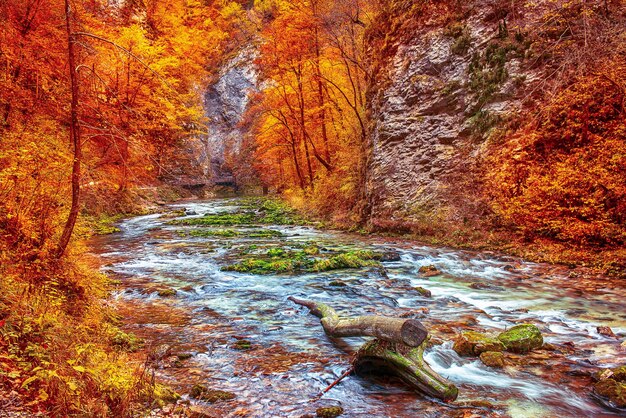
61 352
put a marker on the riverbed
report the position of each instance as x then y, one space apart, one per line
290 359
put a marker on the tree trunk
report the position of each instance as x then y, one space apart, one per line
74 136
407 331
398 347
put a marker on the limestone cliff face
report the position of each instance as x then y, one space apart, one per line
438 87
225 103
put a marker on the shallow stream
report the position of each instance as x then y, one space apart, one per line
291 359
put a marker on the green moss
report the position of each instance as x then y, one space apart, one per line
351 259
242 345
279 260
218 219
522 338
329 411
422 291
227 233
231 233
276 252
104 225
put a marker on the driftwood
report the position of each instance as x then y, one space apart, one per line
398 347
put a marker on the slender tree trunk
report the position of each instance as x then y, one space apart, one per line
320 97
74 136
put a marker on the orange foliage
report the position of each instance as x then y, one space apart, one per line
563 177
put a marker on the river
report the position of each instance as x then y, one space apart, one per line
291 359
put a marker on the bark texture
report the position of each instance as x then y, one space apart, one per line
398 347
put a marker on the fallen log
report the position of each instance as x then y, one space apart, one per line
398 347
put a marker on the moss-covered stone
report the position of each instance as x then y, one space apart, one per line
612 390
202 393
329 411
522 338
242 345
429 271
279 260
166 292
350 259
492 359
471 343
337 283
619 374
424 292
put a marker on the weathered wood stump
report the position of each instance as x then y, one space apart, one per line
398 347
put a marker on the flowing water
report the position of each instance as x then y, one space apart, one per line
291 359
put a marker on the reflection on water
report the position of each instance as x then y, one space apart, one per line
291 360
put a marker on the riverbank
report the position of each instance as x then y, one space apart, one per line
592 260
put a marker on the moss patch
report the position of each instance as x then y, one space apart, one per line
329 411
522 338
309 259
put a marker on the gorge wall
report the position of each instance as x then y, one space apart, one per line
225 102
439 86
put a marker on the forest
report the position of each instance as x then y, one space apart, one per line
182 180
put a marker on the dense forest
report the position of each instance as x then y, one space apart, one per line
488 124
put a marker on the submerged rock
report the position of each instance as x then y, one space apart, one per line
209 395
429 271
471 343
613 390
424 292
160 352
329 411
390 255
166 293
521 338
242 345
606 331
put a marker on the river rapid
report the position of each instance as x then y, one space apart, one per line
291 360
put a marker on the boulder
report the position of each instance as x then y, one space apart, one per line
521 338
429 271
492 359
471 343
612 390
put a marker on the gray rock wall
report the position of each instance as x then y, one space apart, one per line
428 120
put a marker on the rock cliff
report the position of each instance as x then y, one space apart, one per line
439 86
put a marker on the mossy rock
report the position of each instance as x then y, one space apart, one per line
329 411
167 292
471 344
202 393
429 271
164 395
424 292
619 374
522 338
492 359
337 283
242 345
612 390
